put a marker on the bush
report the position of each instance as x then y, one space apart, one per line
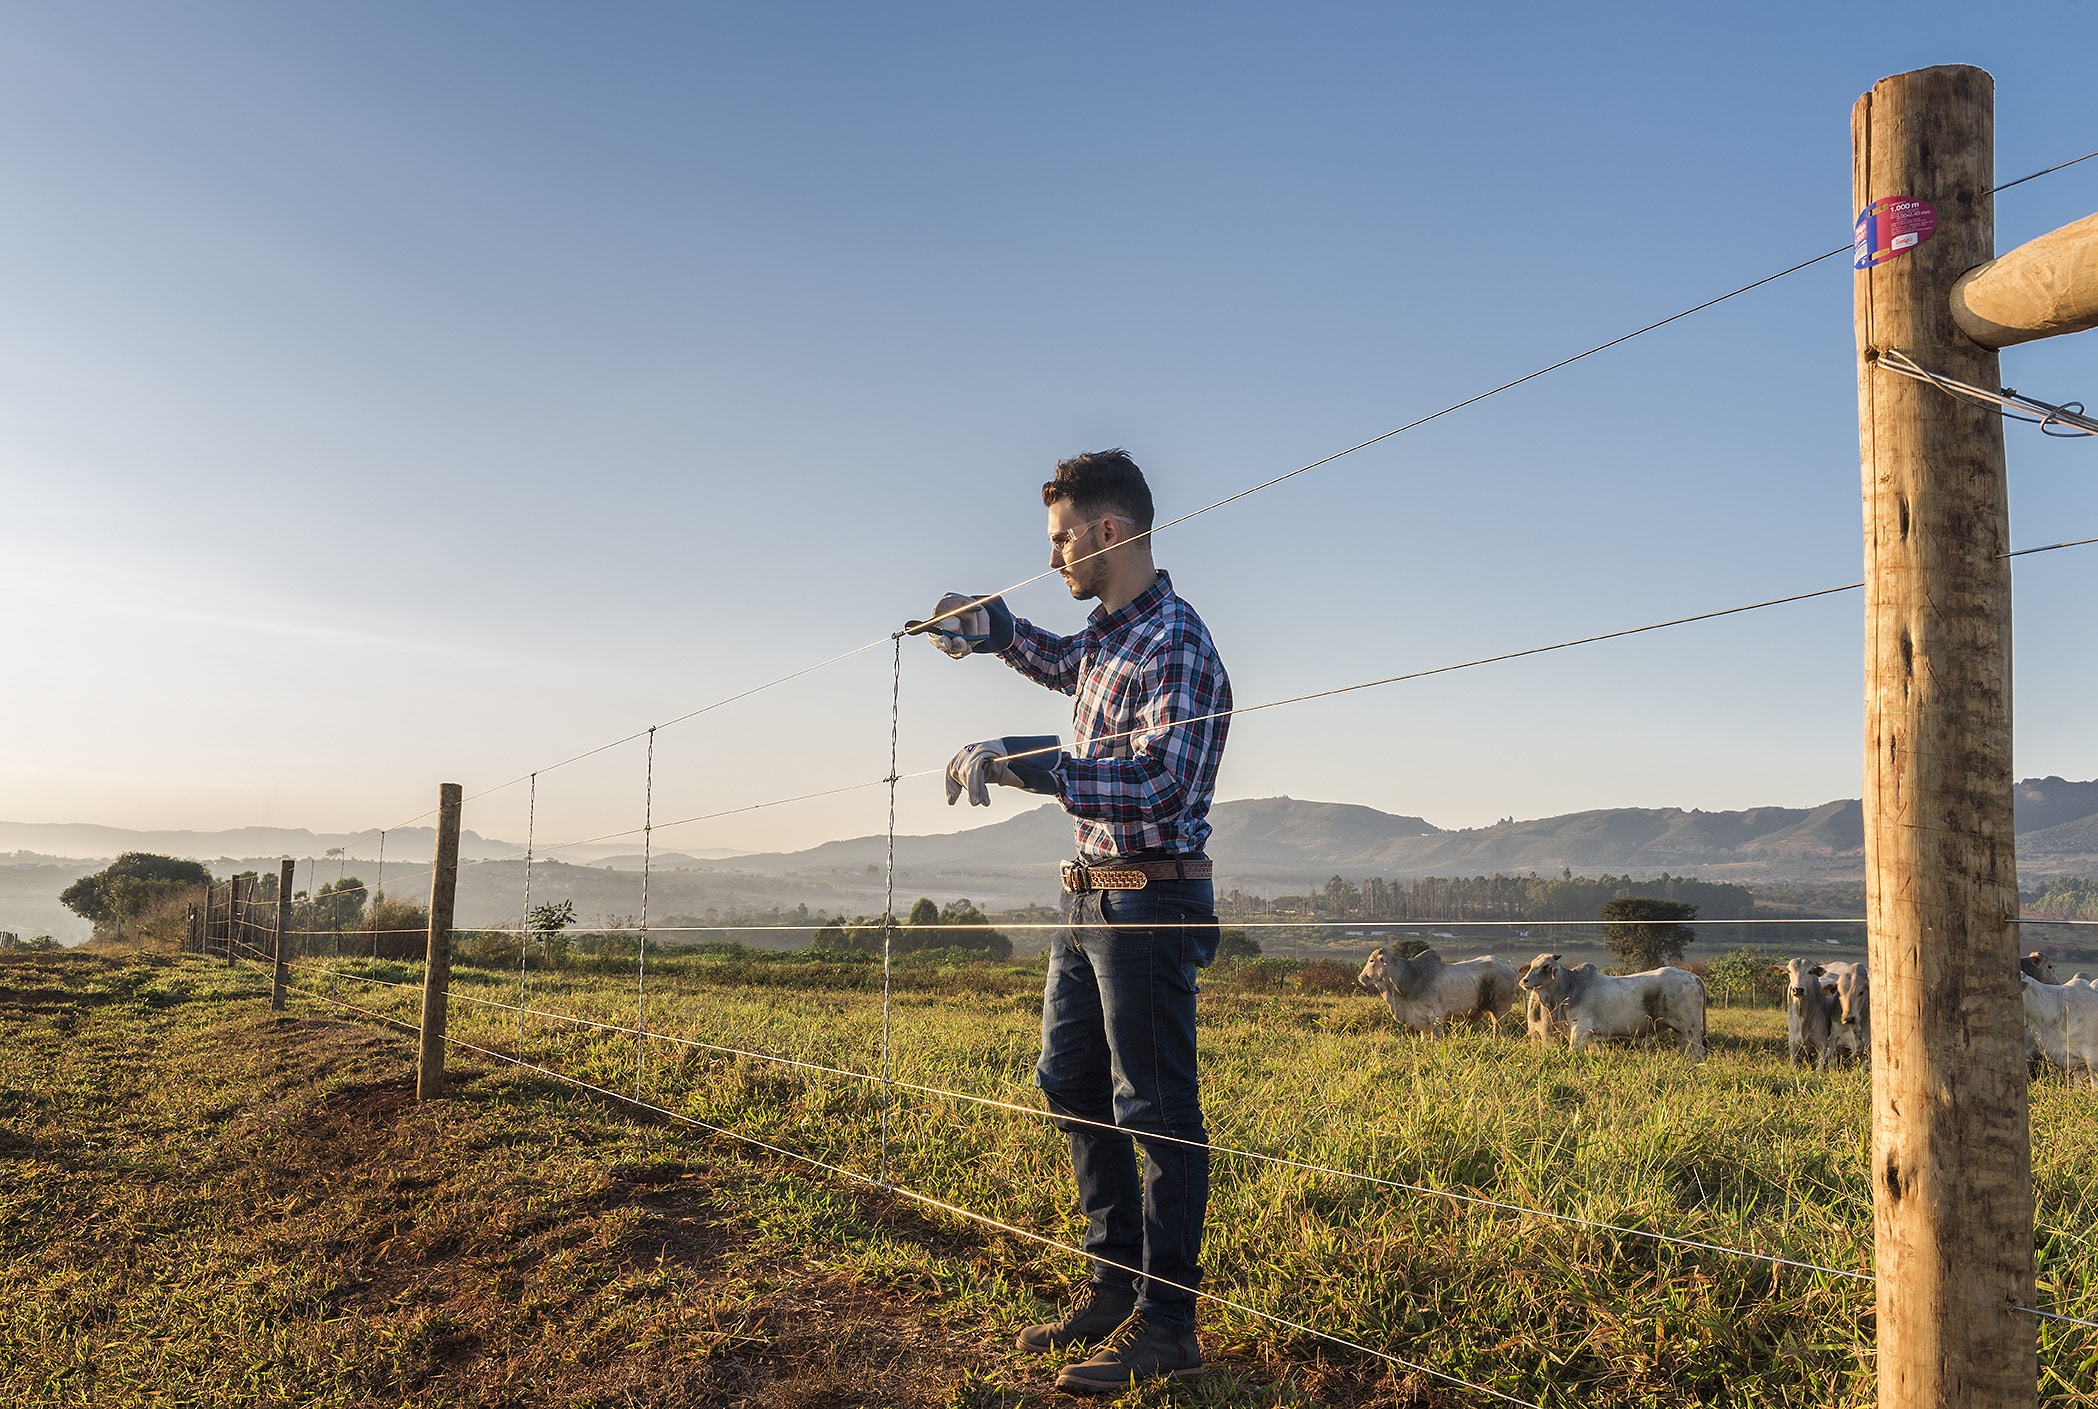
1328 976
1258 975
1642 938
1746 974
131 885
1235 946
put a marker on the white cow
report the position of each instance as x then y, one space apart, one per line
2037 965
1604 1005
1545 1023
1424 993
1810 1013
2061 1021
1849 986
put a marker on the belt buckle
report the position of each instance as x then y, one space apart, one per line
1073 876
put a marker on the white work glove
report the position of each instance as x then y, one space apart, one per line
958 634
1033 767
982 628
974 768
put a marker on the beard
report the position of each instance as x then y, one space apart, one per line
1084 587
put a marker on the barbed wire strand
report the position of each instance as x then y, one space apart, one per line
2036 175
872 921
2050 547
2054 1316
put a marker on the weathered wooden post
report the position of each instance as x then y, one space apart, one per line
283 910
1951 1147
437 967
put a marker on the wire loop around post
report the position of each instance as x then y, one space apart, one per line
2044 414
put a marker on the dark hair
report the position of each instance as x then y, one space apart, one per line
1102 482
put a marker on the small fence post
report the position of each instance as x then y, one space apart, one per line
233 889
283 910
437 967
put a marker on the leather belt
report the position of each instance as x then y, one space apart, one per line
1079 877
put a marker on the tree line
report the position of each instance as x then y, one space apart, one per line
2065 898
142 891
1494 897
865 934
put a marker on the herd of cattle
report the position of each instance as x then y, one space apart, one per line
1577 1001
1828 1006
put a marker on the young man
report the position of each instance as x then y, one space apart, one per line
1118 1013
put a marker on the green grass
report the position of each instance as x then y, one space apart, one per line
555 1198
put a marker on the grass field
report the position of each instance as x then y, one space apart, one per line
205 1204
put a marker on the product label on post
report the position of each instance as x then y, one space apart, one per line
1889 227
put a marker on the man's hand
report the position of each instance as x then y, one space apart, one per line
1028 763
974 768
961 626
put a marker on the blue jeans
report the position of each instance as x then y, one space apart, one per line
1118 1048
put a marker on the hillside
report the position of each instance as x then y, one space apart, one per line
1261 845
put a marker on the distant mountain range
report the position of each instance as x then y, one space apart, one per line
1283 841
1262 844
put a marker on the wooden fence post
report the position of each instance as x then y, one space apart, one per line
233 917
437 967
284 875
1951 1145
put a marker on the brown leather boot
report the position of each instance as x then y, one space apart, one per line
1096 1312
1135 1351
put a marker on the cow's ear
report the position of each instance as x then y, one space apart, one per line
1829 989
1779 969
1554 958
1816 971
1524 969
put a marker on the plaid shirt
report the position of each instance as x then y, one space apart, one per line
1131 783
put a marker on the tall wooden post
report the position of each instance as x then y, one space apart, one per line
284 875
1951 1148
437 968
233 917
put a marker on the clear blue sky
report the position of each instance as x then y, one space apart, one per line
391 394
